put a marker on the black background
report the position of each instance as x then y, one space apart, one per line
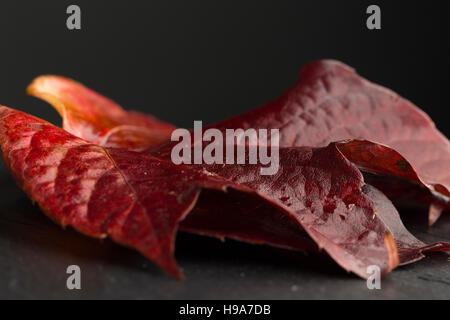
206 60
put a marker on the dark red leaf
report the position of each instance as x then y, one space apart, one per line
318 199
330 102
139 200
382 160
328 196
134 198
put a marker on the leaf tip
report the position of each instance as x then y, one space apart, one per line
434 213
393 258
46 87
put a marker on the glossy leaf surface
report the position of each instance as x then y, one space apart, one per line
318 199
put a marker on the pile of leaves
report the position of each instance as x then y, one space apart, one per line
347 148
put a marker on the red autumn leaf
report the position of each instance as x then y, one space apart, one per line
330 102
139 200
382 160
90 116
134 198
328 196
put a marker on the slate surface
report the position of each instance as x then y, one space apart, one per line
34 255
